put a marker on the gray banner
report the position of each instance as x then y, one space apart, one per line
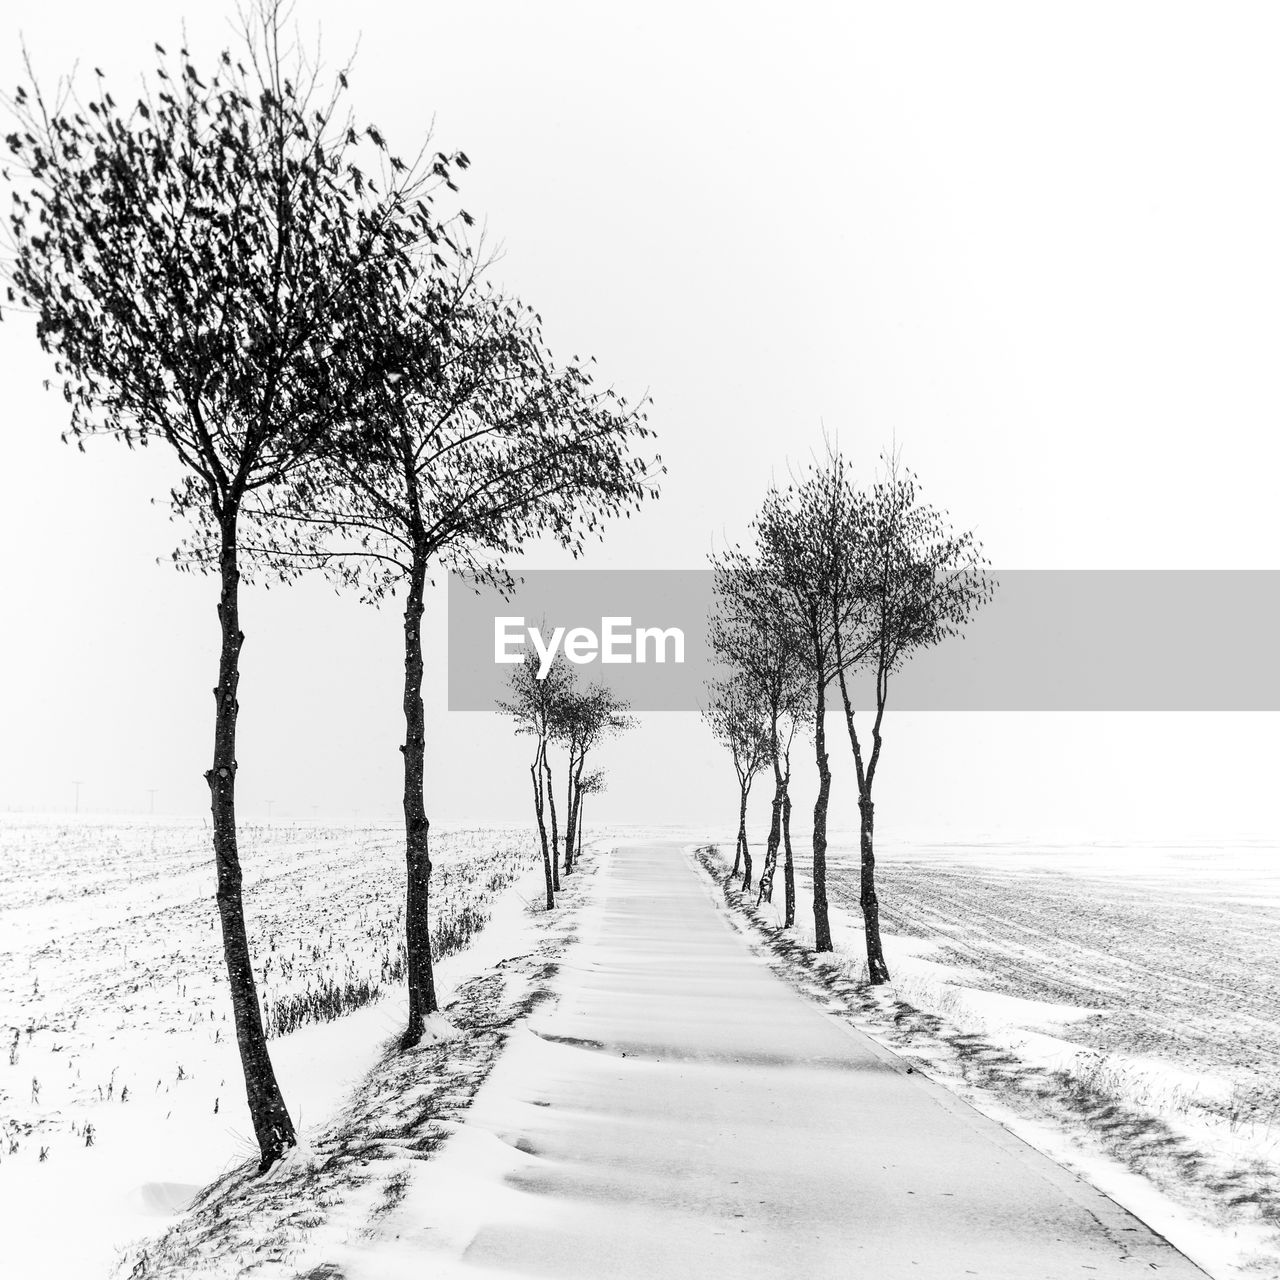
1058 640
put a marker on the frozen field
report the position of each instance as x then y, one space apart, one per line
120 1086
1163 957
1115 1005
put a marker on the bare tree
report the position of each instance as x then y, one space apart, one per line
473 442
753 633
199 263
738 720
802 533
915 583
534 704
585 720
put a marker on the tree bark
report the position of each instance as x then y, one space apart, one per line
742 841
580 806
422 987
789 870
555 823
535 774
775 820
271 1123
572 800
821 922
877 969
570 818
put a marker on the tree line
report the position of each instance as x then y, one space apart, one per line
840 581
233 266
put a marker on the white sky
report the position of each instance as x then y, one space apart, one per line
1034 244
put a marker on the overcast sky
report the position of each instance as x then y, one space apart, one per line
1033 244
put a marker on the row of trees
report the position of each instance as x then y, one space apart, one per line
842 582
233 266
555 709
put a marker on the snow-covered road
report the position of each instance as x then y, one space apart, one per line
681 1111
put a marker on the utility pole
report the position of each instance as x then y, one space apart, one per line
269 804
151 792
75 782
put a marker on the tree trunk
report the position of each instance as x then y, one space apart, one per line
775 838
742 841
271 1123
789 870
877 969
555 823
568 815
535 774
422 987
579 823
573 799
821 923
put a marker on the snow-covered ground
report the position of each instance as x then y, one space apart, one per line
1117 1005
1165 958
120 1087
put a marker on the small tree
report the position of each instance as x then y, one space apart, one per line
586 719
535 705
753 633
737 720
916 582
199 266
592 785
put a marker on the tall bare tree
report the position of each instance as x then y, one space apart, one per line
915 583
473 441
738 720
199 262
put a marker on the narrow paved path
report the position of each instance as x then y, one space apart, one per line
684 1112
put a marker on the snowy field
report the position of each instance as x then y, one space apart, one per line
1117 1005
120 1087
1164 960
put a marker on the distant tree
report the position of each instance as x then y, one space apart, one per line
739 721
593 784
199 267
754 635
586 719
915 583
473 442
534 704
